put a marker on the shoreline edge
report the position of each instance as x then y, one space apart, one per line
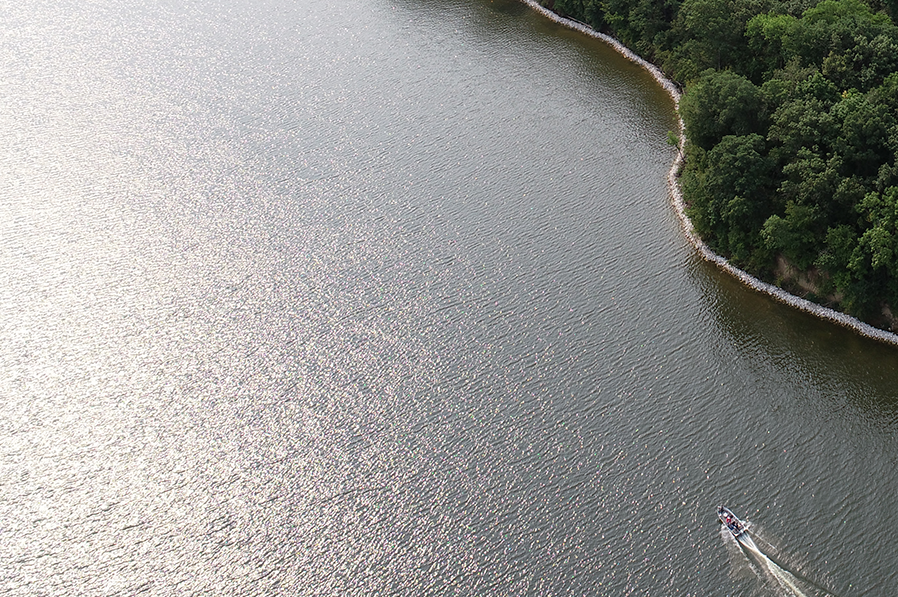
676 196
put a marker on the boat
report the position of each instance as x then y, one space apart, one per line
726 516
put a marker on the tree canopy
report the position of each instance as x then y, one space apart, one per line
791 115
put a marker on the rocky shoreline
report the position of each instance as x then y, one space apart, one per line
676 195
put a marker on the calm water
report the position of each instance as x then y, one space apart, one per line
387 297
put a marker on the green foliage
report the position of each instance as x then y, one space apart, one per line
837 253
862 136
880 241
791 114
772 39
640 24
709 24
721 103
794 234
803 120
569 8
729 195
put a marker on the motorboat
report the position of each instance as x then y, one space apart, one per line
726 516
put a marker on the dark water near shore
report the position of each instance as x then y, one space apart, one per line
388 297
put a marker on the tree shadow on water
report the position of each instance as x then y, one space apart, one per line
833 359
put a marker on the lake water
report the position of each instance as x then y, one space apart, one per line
388 297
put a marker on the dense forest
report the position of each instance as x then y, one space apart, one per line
791 114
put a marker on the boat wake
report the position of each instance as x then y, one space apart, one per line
783 578
785 582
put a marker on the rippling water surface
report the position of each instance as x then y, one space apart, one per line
387 297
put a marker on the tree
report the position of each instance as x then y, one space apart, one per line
709 34
811 179
834 27
864 64
721 103
772 38
862 136
880 241
804 121
791 117
730 199
837 254
794 234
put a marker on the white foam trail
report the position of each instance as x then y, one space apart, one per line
781 576
676 194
